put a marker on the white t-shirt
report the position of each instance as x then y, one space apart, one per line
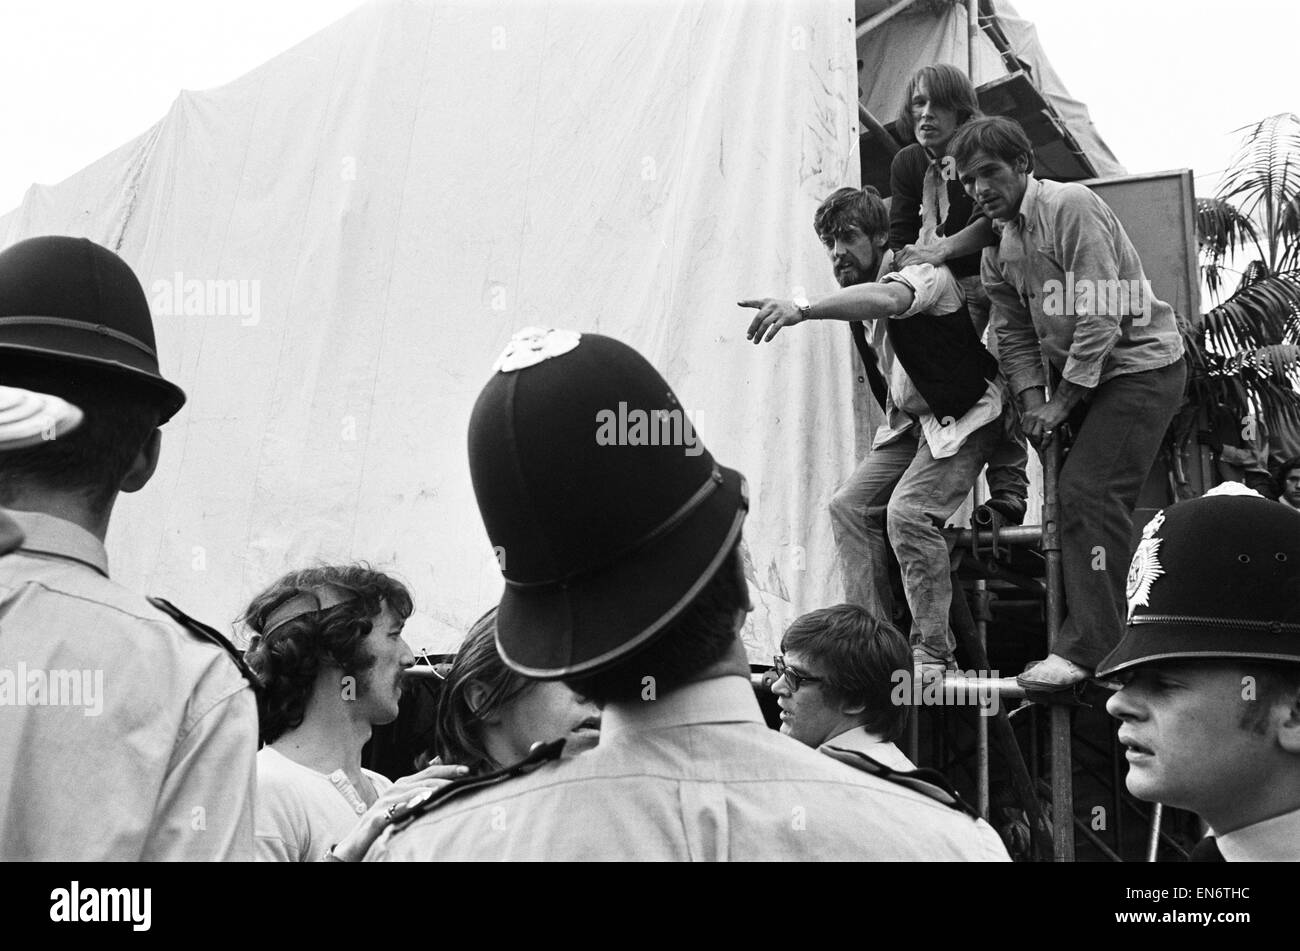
302 813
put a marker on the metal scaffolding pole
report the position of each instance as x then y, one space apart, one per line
1022 535
972 32
1000 728
866 26
982 721
1153 841
1062 769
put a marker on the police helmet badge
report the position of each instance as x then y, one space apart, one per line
532 345
1145 568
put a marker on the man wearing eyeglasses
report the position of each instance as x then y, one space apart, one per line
836 674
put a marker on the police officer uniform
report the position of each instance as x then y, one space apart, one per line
127 731
607 537
1218 579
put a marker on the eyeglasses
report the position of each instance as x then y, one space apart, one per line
792 676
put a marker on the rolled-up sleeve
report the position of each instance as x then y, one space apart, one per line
934 290
1088 254
1018 349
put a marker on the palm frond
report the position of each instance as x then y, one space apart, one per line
1263 312
1221 231
1272 373
1263 180
1262 384
1254 273
1290 230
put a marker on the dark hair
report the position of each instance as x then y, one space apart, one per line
846 208
119 415
998 136
458 725
1273 683
863 653
697 638
1286 467
288 659
948 87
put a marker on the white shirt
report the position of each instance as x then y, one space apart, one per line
882 751
693 775
934 291
1273 840
301 813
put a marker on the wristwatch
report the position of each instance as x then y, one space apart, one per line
805 308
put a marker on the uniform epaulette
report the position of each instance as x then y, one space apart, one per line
428 799
928 782
11 536
210 634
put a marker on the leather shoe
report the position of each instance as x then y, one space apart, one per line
1054 673
1010 507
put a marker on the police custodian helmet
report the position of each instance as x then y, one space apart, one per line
71 300
603 536
1214 577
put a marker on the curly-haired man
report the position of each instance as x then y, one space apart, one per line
329 651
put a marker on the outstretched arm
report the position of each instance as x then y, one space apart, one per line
858 302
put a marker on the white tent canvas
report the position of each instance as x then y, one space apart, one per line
338 245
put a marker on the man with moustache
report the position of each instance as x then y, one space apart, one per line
1210 672
329 652
943 410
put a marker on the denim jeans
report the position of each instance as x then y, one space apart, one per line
902 488
1113 451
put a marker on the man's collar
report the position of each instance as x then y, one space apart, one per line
856 737
1273 840
59 538
1027 201
728 699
